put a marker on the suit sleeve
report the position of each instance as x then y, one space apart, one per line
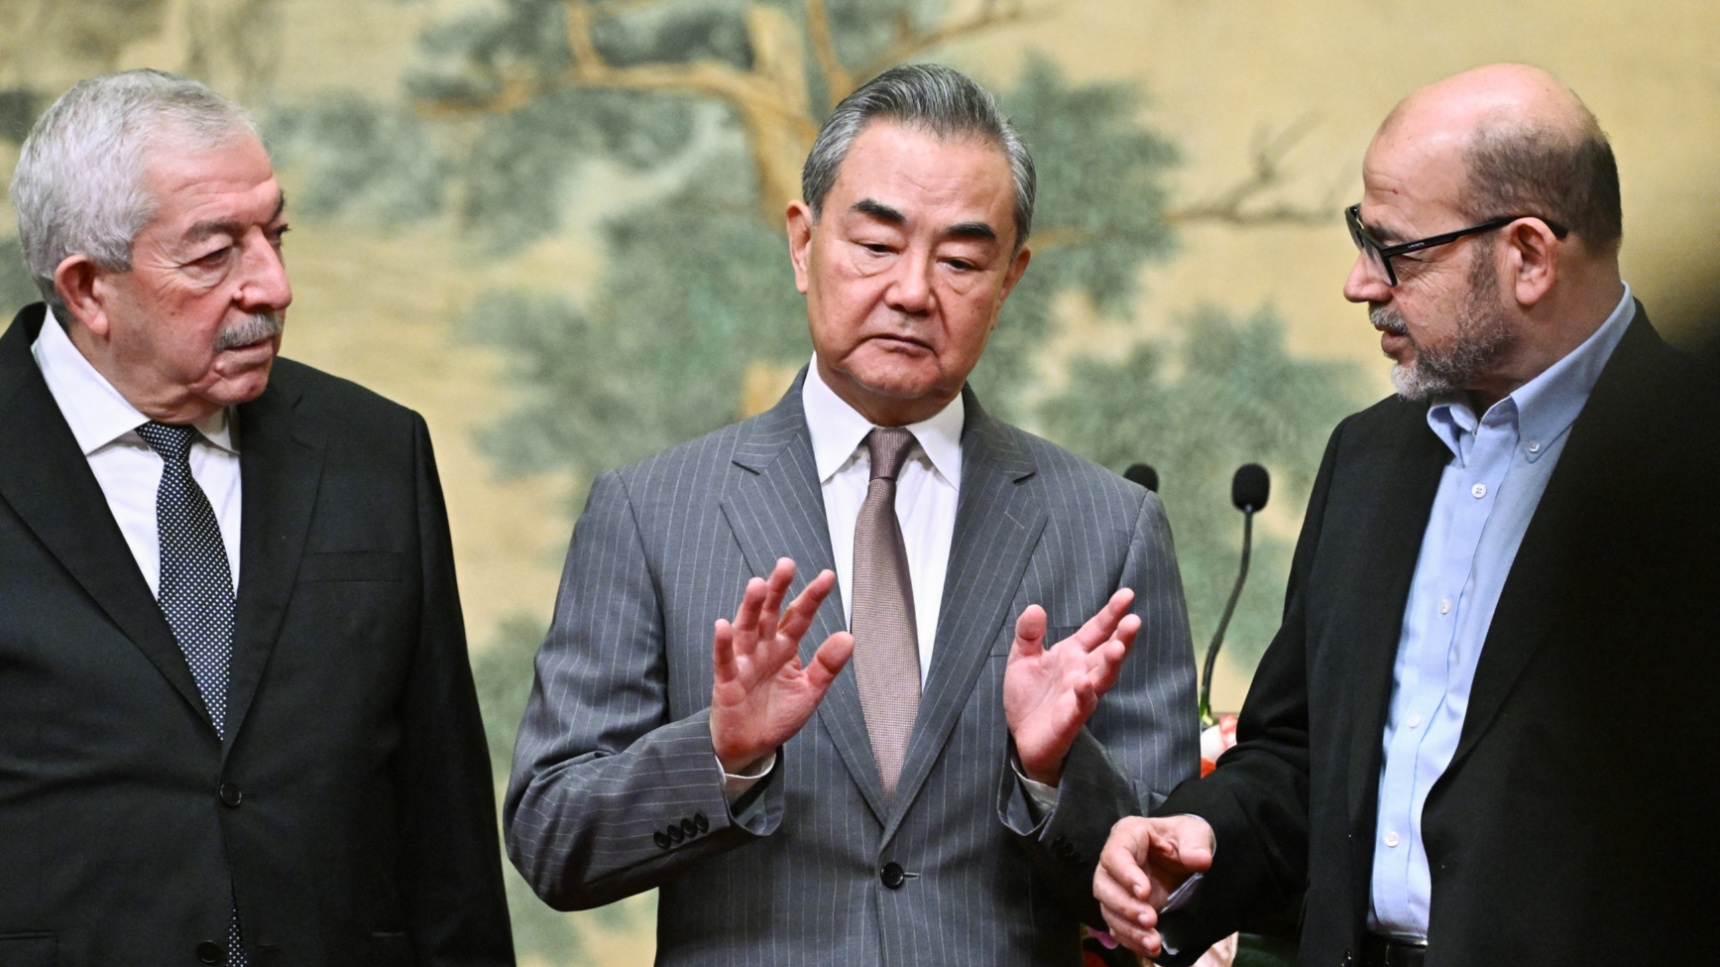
450 860
1257 799
1140 742
609 797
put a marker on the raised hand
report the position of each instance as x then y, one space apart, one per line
762 696
1048 693
1142 863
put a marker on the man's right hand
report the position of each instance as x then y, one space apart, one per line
762 696
1141 864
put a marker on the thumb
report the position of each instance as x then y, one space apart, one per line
1029 633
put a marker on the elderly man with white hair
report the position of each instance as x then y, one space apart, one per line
239 724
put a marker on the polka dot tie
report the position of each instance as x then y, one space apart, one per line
196 584
196 587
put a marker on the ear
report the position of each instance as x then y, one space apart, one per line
800 225
81 285
1017 266
1533 256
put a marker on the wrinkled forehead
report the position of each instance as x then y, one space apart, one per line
1414 171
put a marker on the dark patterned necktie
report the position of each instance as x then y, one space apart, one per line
886 647
196 587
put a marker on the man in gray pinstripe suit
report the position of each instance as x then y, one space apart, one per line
744 772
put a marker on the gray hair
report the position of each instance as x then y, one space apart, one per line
79 186
937 99
1564 176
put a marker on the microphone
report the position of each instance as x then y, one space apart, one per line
1144 475
1249 490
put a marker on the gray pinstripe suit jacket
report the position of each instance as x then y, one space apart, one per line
616 789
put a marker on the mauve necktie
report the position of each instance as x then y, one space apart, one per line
886 647
196 587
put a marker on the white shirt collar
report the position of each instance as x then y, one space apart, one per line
96 412
837 430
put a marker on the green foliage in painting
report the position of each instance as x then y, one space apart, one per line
356 157
1230 394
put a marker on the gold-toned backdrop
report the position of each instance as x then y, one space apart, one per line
548 226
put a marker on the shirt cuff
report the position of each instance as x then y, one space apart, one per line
735 785
1041 798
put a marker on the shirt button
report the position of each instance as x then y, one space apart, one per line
1479 490
1534 446
1445 606
1391 839
1414 723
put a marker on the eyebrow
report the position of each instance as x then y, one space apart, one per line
884 213
202 230
880 211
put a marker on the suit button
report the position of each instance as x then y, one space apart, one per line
661 839
675 834
209 952
700 821
689 828
231 795
893 876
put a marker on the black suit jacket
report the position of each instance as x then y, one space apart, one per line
1573 824
350 809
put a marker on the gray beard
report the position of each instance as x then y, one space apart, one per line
1483 336
255 328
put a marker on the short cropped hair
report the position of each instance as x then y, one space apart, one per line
1525 168
944 102
79 184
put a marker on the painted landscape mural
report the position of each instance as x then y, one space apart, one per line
555 227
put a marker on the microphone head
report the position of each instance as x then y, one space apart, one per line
1250 487
1144 475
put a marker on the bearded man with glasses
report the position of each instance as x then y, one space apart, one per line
1502 606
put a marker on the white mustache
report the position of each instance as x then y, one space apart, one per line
1390 321
255 328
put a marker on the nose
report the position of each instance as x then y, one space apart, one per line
263 286
1364 283
910 291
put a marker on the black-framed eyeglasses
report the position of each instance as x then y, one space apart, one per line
1381 254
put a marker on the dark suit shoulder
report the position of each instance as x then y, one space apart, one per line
313 391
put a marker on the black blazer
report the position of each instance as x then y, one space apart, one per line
350 807
1573 824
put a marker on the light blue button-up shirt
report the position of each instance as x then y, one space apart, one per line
1487 493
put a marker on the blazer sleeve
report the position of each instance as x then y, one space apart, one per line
1140 742
609 797
450 860
1257 799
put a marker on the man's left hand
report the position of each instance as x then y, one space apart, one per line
1048 693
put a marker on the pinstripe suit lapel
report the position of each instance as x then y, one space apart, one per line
775 507
998 523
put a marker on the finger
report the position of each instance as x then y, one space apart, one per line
805 607
1124 851
829 660
1128 934
746 616
1105 665
1103 625
1029 633
723 652
775 589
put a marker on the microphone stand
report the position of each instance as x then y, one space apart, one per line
1206 718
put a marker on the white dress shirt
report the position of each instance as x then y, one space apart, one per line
128 471
926 492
